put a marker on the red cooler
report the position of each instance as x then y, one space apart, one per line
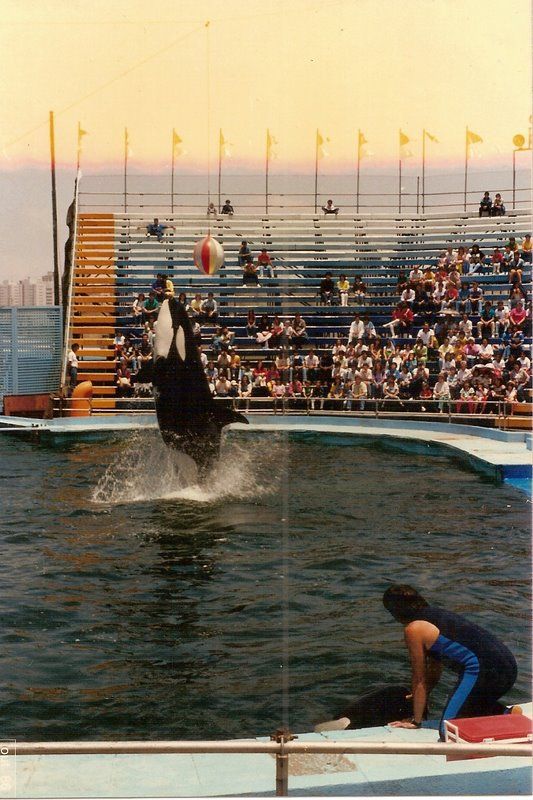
503 728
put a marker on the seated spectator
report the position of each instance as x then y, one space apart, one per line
518 316
222 385
465 325
326 289
222 339
158 287
244 255
429 279
485 205
390 393
475 297
138 309
471 351
416 276
525 250
211 210
123 379
512 245
496 260
151 308
251 324
369 329
245 392
441 392
343 287
485 352
249 275
276 329
358 287
195 307
329 208
168 291
227 208
402 320
515 268
426 335
157 229
209 309
498 208
408 296
485 326
466 398
401 282
501 318
310 367
299 332
476 259
359 391
357 330
265 265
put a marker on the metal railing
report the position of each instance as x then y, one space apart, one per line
282 745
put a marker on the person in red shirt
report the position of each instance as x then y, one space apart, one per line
497 258
402 319
265 265
518 316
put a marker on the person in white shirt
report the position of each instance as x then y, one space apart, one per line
311 362
463 373
441 392
357 330
416 275
501 317
426 335
485 352
465 325
408 295
72 365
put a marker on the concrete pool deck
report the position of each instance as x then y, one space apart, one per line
253 774
503 455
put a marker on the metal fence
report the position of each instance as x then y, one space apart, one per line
30 350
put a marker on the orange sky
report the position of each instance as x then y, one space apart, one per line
340 65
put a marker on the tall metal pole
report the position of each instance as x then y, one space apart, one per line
126 144
54 208
172 173
466 166
418 194
400 186
266 171
219 166
358 169
514 179
316 172
423 170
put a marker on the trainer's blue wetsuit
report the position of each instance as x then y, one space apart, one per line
487 668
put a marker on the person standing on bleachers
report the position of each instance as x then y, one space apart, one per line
485 205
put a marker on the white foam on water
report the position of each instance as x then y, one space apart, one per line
146 469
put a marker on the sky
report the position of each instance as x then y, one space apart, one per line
292 67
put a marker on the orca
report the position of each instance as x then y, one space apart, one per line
189 419
375 708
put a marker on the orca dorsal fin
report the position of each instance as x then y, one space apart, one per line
225 416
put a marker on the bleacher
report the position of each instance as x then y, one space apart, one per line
115 259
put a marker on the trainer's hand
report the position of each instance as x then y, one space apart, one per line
403 723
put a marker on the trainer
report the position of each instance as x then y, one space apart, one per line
487 669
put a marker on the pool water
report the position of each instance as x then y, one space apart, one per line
133 606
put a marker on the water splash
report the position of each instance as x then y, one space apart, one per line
145 469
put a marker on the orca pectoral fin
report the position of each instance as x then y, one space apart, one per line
225 416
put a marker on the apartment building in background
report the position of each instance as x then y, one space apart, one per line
28 292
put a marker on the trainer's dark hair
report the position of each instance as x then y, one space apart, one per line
402 601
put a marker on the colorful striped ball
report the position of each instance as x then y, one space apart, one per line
208 255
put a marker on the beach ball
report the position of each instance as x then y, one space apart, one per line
208 255
519 141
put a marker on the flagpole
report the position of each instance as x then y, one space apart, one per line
79 150
358 169
423 170
399 185
172 172
466 166
219 165
125 169
54 207
266 172
316 171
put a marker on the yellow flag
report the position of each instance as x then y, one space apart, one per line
362 152
472 138
127 149
176 141
403 139
224 145
81 134
271 141
430 136
320 149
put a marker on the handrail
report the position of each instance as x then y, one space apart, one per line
281 746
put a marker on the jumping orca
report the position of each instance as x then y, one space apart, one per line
375 708
189 419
